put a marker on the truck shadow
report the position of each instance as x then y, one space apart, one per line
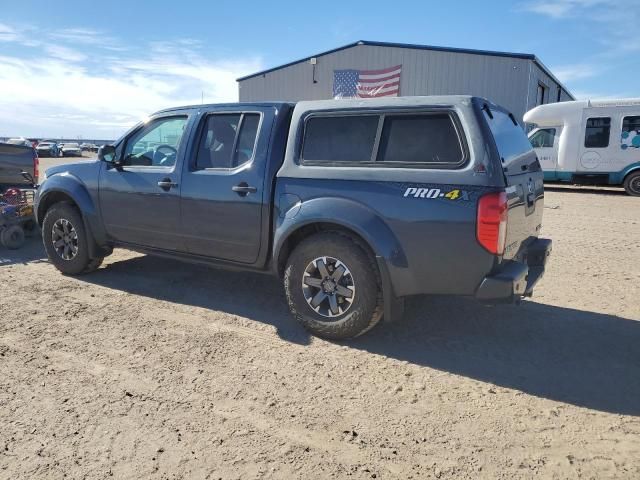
583 358
579 357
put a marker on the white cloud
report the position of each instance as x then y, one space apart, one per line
614 43
566 8
81 35
65 91
580 71
64 53
87 37
8 34
596 95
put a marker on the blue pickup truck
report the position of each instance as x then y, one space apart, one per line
354 204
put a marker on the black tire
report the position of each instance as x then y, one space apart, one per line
79 263
632 184
12 237
366 308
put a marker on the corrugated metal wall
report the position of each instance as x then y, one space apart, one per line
504 80
538 76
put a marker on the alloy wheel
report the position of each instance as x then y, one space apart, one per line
65 239
328 286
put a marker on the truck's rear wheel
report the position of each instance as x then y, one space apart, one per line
65 240
632 184
333 287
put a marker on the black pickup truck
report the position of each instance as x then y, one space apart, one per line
15 159
354 204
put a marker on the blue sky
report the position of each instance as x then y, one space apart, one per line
78 69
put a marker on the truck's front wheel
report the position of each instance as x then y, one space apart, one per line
65 240
333 287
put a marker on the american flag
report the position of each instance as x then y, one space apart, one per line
367 83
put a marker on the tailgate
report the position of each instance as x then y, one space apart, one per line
525 196
523 179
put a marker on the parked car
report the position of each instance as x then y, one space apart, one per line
71 150
15 159
354 204
20 141
589 142
47 149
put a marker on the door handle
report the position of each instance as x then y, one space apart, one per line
243 189
166 184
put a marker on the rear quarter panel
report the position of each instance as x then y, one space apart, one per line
426 237
429 244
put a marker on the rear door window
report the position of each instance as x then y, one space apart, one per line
420 139
227 141
348 138
597 132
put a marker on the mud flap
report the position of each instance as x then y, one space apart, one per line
393 306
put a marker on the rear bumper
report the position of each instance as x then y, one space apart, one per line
516 279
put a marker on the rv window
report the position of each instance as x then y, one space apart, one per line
543 138
631 132
597 132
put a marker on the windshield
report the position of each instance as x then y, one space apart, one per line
71 145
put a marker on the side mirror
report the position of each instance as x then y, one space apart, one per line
107 153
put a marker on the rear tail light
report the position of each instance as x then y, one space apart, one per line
491 227
36 165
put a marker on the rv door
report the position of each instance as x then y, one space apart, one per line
545 143
596 142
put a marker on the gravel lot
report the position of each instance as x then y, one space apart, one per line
47 162
149 368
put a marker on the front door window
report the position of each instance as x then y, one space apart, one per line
156 144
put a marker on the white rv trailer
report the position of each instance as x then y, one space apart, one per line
589 141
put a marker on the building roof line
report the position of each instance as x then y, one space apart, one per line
523 56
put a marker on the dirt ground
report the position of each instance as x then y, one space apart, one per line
149 368
47 162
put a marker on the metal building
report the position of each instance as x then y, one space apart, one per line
516 81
